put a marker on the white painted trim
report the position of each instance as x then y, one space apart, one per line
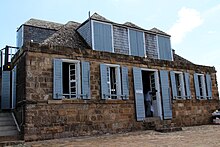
112 65
78 80
113 49
157 84
93 46
145 54
158 48
70 61
129 45
92 30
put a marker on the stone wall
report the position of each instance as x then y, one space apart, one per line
46 118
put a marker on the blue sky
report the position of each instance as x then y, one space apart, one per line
194 25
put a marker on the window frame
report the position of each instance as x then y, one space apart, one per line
78 77
182 85
203 82
118 81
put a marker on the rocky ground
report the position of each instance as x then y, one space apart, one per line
197 136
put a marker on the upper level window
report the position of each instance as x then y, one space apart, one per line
70 79
180 85
203 86
137 47
102 36
114 82
164 48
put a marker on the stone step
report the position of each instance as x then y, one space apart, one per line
9 133
168 129
5 114
7 123
6 118
7 128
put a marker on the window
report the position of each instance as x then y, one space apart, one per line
180 85
203 86
114 83
71 79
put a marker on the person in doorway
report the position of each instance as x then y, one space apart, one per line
148 101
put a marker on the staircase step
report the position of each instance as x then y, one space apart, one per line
6 118
9 133
7 123
5 114
6 128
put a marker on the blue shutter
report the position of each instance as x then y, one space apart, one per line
164 48
102 37
125 82
139 96
104 85
133 42
209 86
136 43
57 79
173 84
166 100
85 80
140 44
196 83
187 83
5 101
14 83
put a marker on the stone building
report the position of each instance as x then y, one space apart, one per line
83 79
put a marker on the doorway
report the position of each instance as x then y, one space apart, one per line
152 101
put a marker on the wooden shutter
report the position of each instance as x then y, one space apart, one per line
164 48
136 43
102 37
14 84
166 100
85 80
104 86
173 84
196 84
125 82
209 86
57 79
6 84
187 84
139 96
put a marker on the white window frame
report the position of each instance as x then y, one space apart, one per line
182 85
118 80
203 82
92 25
78 76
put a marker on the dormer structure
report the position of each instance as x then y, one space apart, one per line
104 35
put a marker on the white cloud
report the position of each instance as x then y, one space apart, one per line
188 20
212 10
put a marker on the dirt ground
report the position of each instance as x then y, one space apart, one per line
197 136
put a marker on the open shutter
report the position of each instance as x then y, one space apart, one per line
14 78
125 82
57 79
196 83
173 84
104 85
139 96
85 80
187 83
209 86
166 100
5 101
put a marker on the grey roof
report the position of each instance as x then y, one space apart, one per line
180 59
156 30
129 24
96 16
67 36
43 24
